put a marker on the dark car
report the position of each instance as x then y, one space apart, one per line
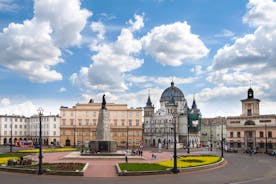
36 146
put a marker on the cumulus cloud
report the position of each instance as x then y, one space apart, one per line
112 60
225 33
32 48
26 108
29 50
173 43
65 17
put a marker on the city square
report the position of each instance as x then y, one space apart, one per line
153 91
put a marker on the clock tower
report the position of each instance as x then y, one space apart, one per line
250 106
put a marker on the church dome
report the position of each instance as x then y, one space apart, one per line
172 91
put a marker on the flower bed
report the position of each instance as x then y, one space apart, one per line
50 150
191 161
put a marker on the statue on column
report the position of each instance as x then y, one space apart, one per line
103 102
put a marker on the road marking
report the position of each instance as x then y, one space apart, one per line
247 181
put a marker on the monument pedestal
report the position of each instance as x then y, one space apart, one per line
103 142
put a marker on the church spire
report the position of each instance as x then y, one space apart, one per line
194 106
149 103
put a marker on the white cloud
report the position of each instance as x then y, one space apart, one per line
137 24
65 17
8 5
98 27
197 70
112 61
30 49
251 57
26 108
148 81
225 33
5 102
261 13
173 43
62 89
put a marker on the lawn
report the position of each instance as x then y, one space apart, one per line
48 150
141 167
183 162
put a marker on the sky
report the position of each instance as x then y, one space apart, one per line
63 52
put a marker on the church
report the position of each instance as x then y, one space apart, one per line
158 127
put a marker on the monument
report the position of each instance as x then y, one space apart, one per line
103 142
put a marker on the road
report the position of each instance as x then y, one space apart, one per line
240 169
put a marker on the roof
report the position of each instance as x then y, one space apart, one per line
170 92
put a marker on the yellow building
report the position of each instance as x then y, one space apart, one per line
78 124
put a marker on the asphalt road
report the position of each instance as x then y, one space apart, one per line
240 169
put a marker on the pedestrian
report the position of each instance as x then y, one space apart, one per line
141 153
126 159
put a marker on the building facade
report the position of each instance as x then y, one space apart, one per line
21 128
159 125
213 130
251 130
78 124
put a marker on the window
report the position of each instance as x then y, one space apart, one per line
123 122
238 134
269 134
6 125
261 145
129 114
137 114
249 112
71 122
130 122
54 132
94 114
63 121
15 126
55 126
94 122
261 134
87 121
72 114
123 114
115 122
231 134
55 119
137 122
79 122
20 126
5 132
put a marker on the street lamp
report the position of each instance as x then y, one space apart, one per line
11 138
222 140
266 151
174 170
127 139
40 111
188 145
167 139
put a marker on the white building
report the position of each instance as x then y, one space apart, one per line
159 125
20 128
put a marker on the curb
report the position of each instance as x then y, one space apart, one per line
167 171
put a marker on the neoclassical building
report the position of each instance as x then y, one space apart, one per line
159 126
251 130
21 128
78 124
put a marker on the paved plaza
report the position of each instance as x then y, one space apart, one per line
240 169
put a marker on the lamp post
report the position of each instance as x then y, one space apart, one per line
221 140
40 111
174 170
266 151
211 138
188 144
82 139
167 140
127 139
11 137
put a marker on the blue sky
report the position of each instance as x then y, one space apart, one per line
64 52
